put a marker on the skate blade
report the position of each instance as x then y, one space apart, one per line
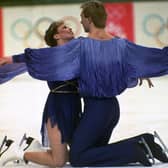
150 155
3 142
23 139
161 141
7 144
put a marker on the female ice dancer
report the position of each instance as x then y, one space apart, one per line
62 109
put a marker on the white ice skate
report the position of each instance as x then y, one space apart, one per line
29 144
9 151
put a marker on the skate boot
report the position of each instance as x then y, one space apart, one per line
9 151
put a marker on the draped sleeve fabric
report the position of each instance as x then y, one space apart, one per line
9 71
145 62
55 63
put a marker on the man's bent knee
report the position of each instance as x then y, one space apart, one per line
73 157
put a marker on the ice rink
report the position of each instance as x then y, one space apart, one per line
142 110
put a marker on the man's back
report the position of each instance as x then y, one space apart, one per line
102 62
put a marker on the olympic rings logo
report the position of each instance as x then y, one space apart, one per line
23 30
155 26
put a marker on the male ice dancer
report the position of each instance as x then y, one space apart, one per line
101 112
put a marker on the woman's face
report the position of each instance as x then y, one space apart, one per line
64 32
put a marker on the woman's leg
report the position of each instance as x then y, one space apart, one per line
57 156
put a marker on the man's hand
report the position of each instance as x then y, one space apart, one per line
150 84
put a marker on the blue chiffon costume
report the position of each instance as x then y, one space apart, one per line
9 71
63 105
104 69
63 109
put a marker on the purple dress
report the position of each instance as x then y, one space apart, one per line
63 104
63 107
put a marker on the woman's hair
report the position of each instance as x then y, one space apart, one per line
96 11
49 34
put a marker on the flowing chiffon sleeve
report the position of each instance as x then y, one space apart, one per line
9 71
55 63
146 62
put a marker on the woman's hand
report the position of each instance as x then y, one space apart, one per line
150 84
5 60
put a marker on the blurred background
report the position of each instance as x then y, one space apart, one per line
22 25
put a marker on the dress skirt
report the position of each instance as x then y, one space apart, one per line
63 110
